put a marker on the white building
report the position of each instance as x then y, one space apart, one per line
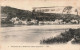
74 21
24 22
15 20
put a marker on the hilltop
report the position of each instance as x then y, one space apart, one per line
14 12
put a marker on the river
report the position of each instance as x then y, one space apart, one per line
32 33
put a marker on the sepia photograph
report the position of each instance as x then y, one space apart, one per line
40 24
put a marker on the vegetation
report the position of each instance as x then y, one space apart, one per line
53 16
14 12
64 37
26 14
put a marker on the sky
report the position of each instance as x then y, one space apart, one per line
29 4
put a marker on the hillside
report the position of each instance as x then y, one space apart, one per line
53 16
14 12
26 14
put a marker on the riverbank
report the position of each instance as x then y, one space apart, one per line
64 37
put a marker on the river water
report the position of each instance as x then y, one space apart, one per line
29 36
32 33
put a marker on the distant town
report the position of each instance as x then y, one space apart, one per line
40 16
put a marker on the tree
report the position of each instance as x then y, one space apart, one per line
67 9
76 11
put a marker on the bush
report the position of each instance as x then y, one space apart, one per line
64 37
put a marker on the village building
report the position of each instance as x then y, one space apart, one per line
24 22
74 21
15 20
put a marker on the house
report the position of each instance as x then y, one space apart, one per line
74 21
57 21
24 22
15 20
